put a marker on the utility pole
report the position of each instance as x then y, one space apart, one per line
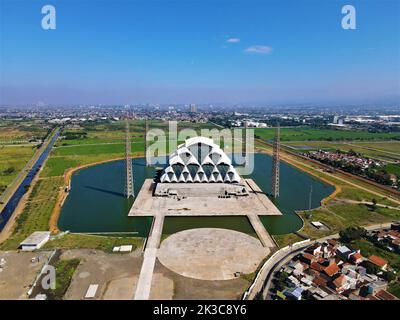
245 144
275 163
129 192
146 130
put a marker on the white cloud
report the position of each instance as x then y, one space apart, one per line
233 40
259 49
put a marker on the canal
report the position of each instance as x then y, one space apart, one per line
12 203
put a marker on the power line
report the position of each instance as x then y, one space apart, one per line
275 163
129 192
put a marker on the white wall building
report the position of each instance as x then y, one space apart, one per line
199 159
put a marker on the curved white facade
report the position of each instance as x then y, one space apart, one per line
199 159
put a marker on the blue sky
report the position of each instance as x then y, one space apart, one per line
139 51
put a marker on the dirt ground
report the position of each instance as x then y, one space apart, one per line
116 274
18 273
184 288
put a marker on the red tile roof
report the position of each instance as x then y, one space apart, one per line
338 282
332 242
384 295
396 242
320 281
380 262
394 233
317 266
308 256
332 269
356 256
305 265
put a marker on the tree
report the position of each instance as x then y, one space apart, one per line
389 276
352 233
371 268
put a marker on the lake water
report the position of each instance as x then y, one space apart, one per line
96 202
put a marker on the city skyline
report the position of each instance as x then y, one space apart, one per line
199 52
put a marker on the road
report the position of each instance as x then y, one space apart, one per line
150 254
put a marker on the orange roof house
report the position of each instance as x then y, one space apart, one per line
378 261
384 295
332 269
356 257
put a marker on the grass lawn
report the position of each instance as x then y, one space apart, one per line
36 214
284 240
15 130
341 216
65 270
393 168
308 133
367 149
105 243
90 150
56 166
390 146
356 194
394 289
348 191
104 141
12 160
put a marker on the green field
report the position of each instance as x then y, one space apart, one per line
65 270
393 169
395 289
36 213
389 146
105 141
370 149
114 132
12 160
15 130
70 241
340 216
312 134
102 142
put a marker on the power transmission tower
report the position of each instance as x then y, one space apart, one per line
129 192
275 163
146 130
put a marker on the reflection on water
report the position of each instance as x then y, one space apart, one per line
96 202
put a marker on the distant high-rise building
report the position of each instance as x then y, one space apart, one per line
193 108
335 119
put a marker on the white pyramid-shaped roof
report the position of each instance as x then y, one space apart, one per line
199 151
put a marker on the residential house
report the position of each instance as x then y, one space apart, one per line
356 258
343 252
293 293
379 262
331 270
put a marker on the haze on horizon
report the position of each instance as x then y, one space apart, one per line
147 51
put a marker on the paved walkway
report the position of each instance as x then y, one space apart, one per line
150 254
211 253
259 228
